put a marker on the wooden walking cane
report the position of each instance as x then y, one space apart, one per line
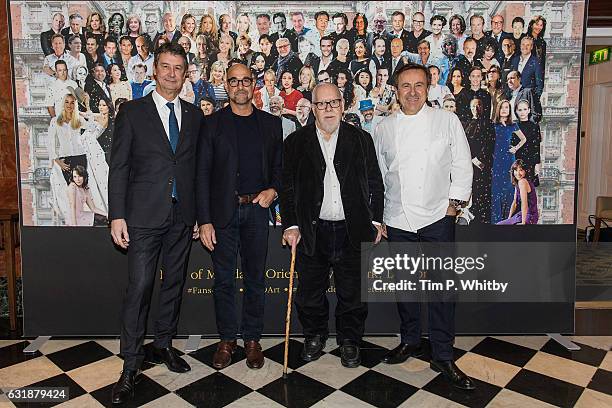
288 317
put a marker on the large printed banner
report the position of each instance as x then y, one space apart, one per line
509 70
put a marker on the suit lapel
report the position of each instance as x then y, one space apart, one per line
227 123
156 121
313 150
185 125
344 152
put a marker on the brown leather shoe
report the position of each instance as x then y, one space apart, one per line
223 356
254 356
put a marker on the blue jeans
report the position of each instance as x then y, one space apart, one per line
441 314
247 232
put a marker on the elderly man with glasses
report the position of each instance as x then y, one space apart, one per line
331 202
238 175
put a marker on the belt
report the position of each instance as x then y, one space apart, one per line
246 198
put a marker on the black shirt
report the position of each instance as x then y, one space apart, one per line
250 151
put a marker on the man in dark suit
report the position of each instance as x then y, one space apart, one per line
152 210
380 55
45 37
527 64
75 28
237 178
505 64
517 93
331 202
97 88
397 61
171 33
280 22
498 34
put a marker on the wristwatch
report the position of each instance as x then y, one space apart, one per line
458 204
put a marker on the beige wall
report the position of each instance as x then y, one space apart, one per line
595 168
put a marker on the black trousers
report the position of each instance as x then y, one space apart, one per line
441 314
332 250
173 241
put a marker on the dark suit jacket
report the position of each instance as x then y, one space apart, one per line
361 184
217 166
175 37
45 42
402 61
143 166
96 93
534 103
499 55
67 34
290 35
531 77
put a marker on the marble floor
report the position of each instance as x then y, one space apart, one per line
519 371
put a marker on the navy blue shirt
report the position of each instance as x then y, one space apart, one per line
250 152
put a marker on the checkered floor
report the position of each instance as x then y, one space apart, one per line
527 371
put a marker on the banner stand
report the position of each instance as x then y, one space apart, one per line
34 346
563 341
193 343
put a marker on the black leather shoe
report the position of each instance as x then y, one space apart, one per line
123 390
401 353
453 374
170 358
349 354
313 348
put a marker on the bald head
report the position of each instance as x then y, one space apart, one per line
239 85
325 89
238 69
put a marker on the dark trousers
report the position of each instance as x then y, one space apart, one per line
441 314
173 241
332 250
247 232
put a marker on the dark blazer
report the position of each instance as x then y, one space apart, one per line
45 42
67 34
289 34
175 37
96 93
402 61
499 55
534 103
361 184
217 164
531 77
143 166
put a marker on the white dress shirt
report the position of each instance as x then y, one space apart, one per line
164 111
522 62
63 141
331 208
425 160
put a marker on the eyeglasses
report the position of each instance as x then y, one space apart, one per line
322 105
418 21
282 46
246 82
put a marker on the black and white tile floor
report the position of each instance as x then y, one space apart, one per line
521 371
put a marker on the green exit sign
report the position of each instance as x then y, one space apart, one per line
599 56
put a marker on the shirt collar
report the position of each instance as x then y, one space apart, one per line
419 114
160 101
